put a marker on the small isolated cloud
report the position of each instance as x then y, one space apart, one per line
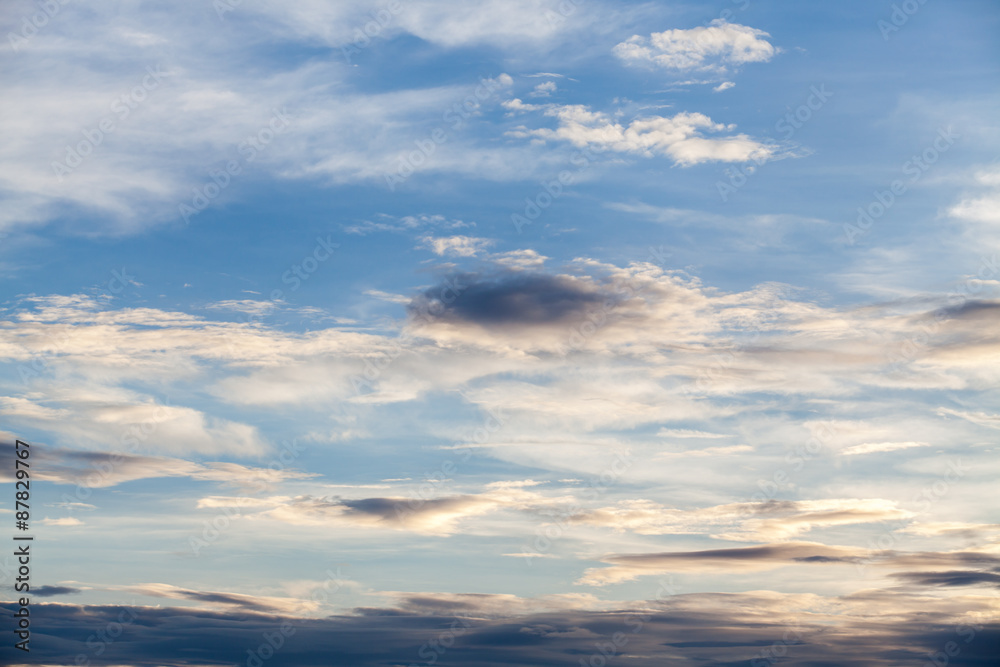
687 433
52 591
387 296
741 559
408 223
949 579
515 105
725 85
517 299
63 521
218 600
984 207
246 306
680 137
544 89
520 259
456 246
875 447
718 47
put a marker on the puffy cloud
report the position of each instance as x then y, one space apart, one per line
680 137
716 47
984 207
456 246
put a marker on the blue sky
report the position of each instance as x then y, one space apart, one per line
504 313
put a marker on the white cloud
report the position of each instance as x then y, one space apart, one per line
456 246
716 47
64 521
876 447
544 89
680 137
983 208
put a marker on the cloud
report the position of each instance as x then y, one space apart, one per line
718 47
544 89
388 223
745 522
725 85
740 559
970 531
520 260
510 300
495 631
950 579
456 246
440 516
687 433
63 521
879 447
985 207
99 470
217 600
52 591
679 137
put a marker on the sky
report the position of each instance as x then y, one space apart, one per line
535 332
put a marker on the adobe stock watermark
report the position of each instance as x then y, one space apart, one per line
121 107
915 168
38 363
925 499
561 13
260 480
787 125
364 34
129 439
597 319
779 648
98 642
223 7
547 534
449 292
636 621
910 349
455 117
30 25
953 649
554 189
899 17
275 640
248 149
493 423
434 648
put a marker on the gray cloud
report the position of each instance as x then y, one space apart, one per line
705 629
50 591
950 578
514 299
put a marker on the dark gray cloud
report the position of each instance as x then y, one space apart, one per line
172 637
513 299
950 578
975 309
50 591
